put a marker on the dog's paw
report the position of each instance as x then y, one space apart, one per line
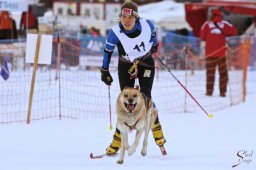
130 151
143 152
144 149
120 161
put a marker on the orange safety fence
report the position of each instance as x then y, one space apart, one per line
73 89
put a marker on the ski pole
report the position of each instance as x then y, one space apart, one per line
209 115
110 113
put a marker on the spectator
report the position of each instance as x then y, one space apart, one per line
83 29
8 31
7 26
29 21
214 32
95 32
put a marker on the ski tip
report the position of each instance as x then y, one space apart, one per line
163 150
97 156
164 153
91 156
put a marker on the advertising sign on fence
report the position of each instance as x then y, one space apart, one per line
45 49
14 5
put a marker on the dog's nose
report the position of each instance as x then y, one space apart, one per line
130 101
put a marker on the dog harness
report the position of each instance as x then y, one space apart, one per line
134 126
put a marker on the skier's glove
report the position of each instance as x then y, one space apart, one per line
106 76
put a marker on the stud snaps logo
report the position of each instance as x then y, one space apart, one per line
244 157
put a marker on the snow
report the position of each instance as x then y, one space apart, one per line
193 142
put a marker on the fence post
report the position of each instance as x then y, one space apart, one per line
246 49
186 76
38 42
58 72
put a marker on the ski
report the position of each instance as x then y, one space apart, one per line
97 156
163 150
101 156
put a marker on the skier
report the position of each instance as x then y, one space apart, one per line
136 41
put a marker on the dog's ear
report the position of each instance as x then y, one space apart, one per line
137 87
126 87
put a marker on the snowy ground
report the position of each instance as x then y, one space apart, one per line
193 142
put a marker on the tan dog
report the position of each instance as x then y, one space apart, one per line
134 111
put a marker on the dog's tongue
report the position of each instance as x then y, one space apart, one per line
130 107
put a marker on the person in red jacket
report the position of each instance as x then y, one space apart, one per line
29 21
214 33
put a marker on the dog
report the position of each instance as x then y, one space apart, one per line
134 111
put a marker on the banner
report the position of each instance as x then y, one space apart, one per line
45 53
14 5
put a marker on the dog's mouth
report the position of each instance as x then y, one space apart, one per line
130 107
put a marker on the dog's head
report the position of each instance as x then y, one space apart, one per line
130 98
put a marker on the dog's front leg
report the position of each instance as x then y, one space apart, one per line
125 140
124 146
133 147
145 142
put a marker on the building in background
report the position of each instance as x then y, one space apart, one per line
49 3
86 14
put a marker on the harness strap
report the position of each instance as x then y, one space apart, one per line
133 70
134 126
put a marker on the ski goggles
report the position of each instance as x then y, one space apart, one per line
128 11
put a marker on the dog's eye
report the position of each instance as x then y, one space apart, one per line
126 95
135 95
